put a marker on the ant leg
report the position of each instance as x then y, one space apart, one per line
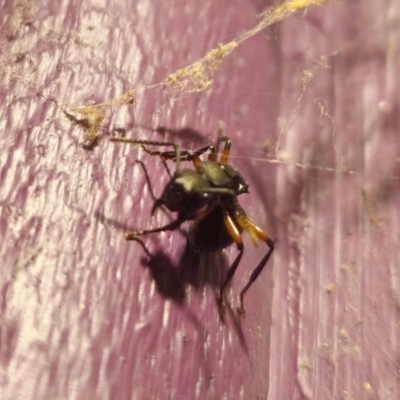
176 155
169 227
254 275
247 225
176 146
148 181
213 154
186 155
229 192
235 234
225 152
143 141
195 156
222 138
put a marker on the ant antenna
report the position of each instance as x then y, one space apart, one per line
151 142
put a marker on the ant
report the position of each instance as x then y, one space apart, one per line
207 196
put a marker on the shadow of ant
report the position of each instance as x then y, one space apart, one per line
195 268
164 273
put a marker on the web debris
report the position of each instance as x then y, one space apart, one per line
193 78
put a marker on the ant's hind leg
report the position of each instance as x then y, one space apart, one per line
253 230
254 275
235 234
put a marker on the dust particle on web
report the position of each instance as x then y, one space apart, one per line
90 122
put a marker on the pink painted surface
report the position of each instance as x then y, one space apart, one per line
83 316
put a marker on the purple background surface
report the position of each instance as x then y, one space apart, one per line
312 107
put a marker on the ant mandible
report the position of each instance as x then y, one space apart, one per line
207 196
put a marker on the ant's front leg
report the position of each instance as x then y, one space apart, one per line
185 155
177 152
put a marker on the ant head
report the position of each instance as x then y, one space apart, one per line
183 194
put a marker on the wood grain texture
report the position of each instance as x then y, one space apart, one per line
312 108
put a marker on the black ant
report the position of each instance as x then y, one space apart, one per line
207 196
